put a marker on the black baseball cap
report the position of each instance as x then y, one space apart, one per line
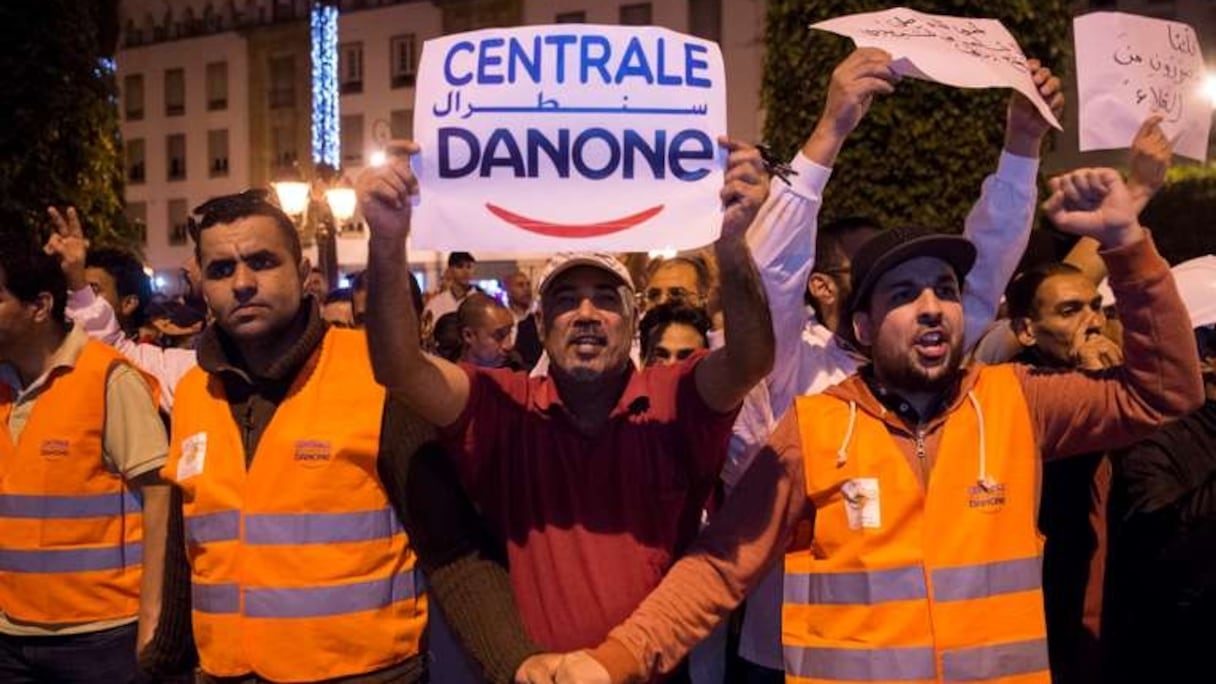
893 247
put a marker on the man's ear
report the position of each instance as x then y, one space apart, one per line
863 329
43 306
467 335
129 304
1021 330
823 289
305 269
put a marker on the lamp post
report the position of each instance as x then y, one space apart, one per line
327 204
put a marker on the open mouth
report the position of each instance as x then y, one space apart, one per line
588 343
932 345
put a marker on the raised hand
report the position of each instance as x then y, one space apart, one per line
1025 127
855 81
384 191
69 245
744 190
1148 161
1094 203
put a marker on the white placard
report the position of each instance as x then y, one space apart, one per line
569 137
956 51
1129 67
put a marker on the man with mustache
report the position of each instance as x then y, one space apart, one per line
909 490
593 476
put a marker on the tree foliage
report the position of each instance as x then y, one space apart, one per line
60 143
921 154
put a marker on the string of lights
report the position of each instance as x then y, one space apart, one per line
325 127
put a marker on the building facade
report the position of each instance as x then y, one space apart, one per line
180 58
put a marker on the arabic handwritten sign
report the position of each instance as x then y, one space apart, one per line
1129 67
956 51
547 138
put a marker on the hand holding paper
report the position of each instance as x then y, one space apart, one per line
1024 126
957 51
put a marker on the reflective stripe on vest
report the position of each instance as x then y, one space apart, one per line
987 579
861 665
293 528
991 662
306 602
902 584
899 584
72 560
47 507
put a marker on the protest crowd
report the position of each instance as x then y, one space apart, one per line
806 453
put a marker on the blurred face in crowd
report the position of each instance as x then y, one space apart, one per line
830 282
519 290
588 324
461 274
914 326
487 339
315 285
676 343
1066 313
105 286
251 282
674 280
339 314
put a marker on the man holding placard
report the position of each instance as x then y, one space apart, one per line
595 475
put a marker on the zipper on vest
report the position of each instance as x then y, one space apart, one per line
920 454
247 432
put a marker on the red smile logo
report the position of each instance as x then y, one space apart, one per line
576 230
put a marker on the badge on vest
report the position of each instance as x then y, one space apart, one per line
312 453
54 449
194 455
861 503
987 496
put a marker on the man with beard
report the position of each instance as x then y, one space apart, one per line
909 490
593 476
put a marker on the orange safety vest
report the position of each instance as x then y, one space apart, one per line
71 533
904 585
300 569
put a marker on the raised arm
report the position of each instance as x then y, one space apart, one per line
436 389
729 373
95 316
783 236
1075 412
999 224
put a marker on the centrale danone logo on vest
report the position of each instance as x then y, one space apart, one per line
54 448
569 137
312 453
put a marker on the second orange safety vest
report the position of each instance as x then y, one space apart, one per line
902 584
300 569
71 532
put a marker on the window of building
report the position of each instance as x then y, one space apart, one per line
636 15
137 215
175 92
570 18
350 68
282 82
217 86
283 146
217 152
175 156
352 140
705 19
136 168
401 123
179 219
133 96
404 66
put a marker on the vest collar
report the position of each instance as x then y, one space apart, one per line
217 353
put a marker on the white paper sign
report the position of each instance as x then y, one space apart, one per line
569 137
956 51
1129 67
